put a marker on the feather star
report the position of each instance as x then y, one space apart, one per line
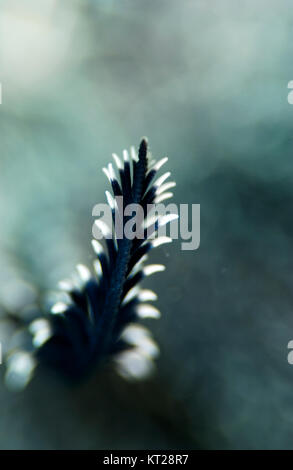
100 320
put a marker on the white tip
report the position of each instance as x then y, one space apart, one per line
165 187
98 268
133 333
133 154
147 295
166 219
59 307
110 200
137 267
150 220
37 325
162 179
117 161
125 156
41 331
105 170
97 247
163 197
147 311
132 365
84 272
131 295
159 164
20 368
106 232
153 268
139 336
161 241
111 172
66 285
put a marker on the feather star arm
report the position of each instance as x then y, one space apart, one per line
100 319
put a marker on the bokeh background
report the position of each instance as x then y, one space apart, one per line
206 81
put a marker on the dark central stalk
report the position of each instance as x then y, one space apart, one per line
118 276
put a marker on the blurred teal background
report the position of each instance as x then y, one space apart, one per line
206 81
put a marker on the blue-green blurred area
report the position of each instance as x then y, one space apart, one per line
206 81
